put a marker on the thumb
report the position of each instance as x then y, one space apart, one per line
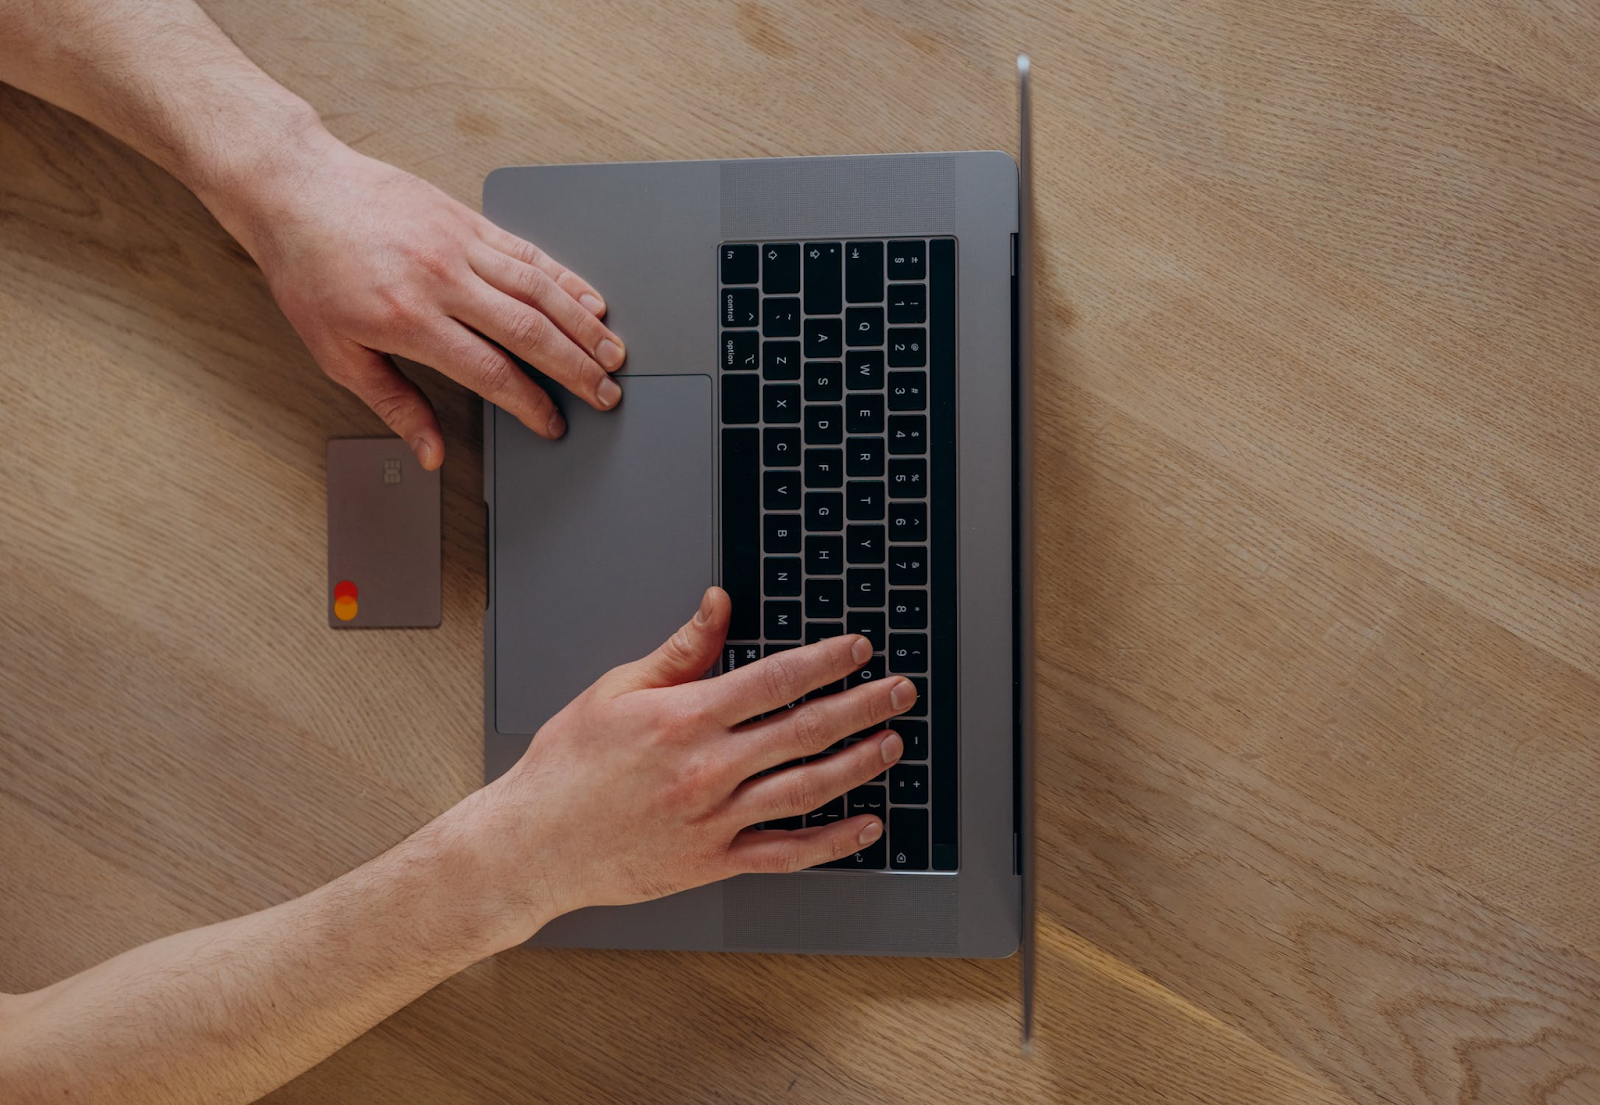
400 403
687 654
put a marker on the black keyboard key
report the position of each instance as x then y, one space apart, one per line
863 326
824 424
868 623
740 307
780 402
907 260
871 858
821 631
773 650
863 456
780 318
780 489
868 799
741 531
863 272
863 414
824 598
870 672
781 578
863 501
908 838
908 610
919 708
824 381
786 823
738 655
780 268
824 337
780 360
780 446
908 522
908 785
908 478
824 468
914 734
908 652
739 264
908 566
822 288
908 433
824 511
863 369
828 814
908 391
781 533
740 399
824 554
864 544
865 587
740 350
907 303
908 346
782 620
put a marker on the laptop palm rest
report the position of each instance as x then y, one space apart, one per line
603 542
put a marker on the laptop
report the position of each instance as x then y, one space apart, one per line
821 413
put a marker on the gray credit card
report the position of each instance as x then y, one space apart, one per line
383 536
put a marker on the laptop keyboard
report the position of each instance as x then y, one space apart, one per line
838 495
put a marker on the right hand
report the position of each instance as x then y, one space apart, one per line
649 781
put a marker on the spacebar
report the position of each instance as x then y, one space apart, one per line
741 530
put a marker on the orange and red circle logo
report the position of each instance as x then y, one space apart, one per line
344 600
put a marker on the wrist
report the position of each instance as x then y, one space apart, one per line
249 178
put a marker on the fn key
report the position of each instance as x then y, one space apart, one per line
908 839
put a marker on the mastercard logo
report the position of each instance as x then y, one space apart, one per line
344 600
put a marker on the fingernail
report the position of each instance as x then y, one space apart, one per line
558 425
704 613
861 651
890 747
591 303
871 832
424 450
902 695
608 393
609 354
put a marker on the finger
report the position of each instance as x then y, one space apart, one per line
400 403
533 286
529 254
686 655
531 335
775 851
807 730
472 361
799 790
781 678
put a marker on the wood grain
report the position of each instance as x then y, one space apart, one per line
1320 593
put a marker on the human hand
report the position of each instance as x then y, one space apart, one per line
367 260
648 782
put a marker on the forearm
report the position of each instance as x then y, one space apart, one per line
227 1012
161 76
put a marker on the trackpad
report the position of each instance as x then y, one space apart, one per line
603 541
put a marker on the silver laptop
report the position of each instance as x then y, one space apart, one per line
821 407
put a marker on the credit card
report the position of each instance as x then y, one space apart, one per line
383 536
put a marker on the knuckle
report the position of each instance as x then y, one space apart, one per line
391 407
528 330
802 792
778 677
807 727
432 261
493 372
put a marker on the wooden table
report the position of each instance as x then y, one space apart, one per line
1319 550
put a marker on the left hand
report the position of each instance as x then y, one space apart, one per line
367 260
